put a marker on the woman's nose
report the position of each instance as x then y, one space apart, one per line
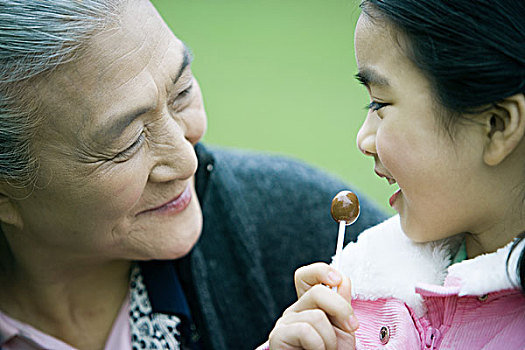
194 117
366 137
173 154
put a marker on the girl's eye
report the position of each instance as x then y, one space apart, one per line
128 152
375 106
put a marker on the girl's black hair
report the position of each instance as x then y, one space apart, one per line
472 52
520 268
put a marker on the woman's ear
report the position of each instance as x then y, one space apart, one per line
9 213
506 125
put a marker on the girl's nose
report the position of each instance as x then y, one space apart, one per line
366 137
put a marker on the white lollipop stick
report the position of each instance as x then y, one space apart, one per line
339 247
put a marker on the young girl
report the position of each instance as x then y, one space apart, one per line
446 122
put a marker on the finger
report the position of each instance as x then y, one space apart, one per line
345 340
318 320
318 273
295 336
345 289
334 305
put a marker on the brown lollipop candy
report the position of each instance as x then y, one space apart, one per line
345 207
345 210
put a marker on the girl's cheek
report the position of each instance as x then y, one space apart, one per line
386 146
394 153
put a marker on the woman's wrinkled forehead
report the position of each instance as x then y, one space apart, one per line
117 66
131 34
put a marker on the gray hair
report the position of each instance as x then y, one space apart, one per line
36 36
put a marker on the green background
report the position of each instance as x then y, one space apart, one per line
277 76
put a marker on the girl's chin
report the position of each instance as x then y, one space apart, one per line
413 231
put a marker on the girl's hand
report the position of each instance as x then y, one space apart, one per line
320 273
321 318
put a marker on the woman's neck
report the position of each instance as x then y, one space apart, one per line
69 299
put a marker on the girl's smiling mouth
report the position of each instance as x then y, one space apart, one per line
394 197
391 181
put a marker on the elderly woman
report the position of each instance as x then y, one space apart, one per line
102 184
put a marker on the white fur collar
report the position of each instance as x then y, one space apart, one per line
384 263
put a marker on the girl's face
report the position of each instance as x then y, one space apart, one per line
442 180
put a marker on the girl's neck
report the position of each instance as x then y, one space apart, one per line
496 236
72 300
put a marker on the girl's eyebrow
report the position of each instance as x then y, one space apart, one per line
369 76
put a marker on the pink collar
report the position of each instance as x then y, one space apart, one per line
18 335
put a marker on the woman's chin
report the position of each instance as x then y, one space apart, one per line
168 249
177 245
170 237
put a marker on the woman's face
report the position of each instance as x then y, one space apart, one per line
442 180
116 147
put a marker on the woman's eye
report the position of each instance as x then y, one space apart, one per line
181 96
128 152
375 106
185 91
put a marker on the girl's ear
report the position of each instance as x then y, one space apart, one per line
506 125
9 213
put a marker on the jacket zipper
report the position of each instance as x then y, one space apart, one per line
431 337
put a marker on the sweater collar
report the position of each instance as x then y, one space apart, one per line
164 289
205 168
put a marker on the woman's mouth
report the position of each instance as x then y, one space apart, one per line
176 205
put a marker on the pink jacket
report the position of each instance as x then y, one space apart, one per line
407 297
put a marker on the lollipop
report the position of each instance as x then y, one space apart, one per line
345 207
344 210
